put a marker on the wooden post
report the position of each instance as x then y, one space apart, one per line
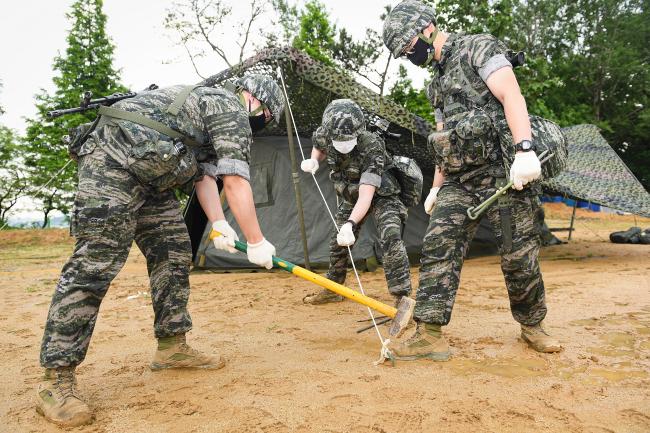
296 185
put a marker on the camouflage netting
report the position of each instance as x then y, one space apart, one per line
312 85
596 174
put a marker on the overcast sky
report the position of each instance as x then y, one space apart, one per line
34 31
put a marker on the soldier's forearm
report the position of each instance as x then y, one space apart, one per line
207 192
438 178
514 106
240 199
366 193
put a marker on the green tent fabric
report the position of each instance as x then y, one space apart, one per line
596 174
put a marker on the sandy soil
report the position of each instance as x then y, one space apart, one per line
303 369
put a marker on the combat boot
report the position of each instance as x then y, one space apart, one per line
174 352
322 297
427 342
539 339
57 399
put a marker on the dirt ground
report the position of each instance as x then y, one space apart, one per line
296 368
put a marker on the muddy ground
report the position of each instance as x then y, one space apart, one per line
296 368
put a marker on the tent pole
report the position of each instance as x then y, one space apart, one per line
296 185
573 218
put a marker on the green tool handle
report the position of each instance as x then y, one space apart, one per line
243 247
476 211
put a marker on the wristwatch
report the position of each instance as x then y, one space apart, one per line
352 223
524 146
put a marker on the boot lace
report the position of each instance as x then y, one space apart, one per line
65 384
186 348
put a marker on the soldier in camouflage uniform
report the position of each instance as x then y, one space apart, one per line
486 128
140 150
360 169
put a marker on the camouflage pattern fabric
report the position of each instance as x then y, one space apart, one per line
469 108
343 120
390 215
368 163
404 22
447 239
112 209
471 152
595 173
266 90
213 117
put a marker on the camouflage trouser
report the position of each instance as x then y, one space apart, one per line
447 239
390 215
112 209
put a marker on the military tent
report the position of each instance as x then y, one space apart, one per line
311 85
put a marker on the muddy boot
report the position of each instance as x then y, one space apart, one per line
322 297
57 399
539 339
427 342
173 352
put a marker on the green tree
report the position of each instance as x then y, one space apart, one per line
410 98
87 65
316 34
12 178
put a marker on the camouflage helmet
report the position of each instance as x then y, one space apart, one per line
404 22
266 90
343 120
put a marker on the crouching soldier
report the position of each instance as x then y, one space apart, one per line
486 128
360 170
142 148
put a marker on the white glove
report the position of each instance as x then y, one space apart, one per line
345 238
526 168
309 165
261 253
431 200
228 236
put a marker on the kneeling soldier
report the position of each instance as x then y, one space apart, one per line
140 150
360 170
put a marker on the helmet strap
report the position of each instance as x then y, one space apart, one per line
429 41
253 113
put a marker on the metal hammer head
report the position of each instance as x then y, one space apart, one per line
403 316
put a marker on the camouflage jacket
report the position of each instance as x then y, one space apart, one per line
471 112
212 117
368 163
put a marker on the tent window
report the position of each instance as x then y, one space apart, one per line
262 183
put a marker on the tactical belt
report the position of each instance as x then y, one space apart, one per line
109 113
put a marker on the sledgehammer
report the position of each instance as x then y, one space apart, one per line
401 315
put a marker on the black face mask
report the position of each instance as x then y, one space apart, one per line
421 53
257 122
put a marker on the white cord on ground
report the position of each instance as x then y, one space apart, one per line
40 189
313 175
